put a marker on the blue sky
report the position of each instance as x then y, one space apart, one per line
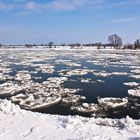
68 21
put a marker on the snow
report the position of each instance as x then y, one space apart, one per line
17 124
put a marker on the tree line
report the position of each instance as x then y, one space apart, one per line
114 40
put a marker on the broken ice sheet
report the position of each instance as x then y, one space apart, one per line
43 75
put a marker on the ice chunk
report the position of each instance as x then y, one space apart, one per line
132 84
134 92
85 108
110 102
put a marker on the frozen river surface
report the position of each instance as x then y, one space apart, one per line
99 83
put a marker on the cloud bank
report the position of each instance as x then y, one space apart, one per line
36 5
123 20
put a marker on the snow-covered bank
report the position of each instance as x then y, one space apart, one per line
17 124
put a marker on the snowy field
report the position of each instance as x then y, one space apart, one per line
32 79
17 124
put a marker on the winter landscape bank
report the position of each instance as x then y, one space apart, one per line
17 124
101 84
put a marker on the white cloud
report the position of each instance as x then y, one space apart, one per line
122 20
32 5
126 2
54 4
5 7
107 4
65 5
73 4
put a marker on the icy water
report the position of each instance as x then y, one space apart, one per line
98 62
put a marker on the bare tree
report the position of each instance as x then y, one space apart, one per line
28 45
77 44
50 44
115 40
137 44
128 46
63 44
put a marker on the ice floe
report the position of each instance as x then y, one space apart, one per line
72 99
136 71
135 76
23 76
109 102
85 108
45 68
132 84
68 63
134 92
34 102
87 80
78 72
119 73
102 74
9 88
